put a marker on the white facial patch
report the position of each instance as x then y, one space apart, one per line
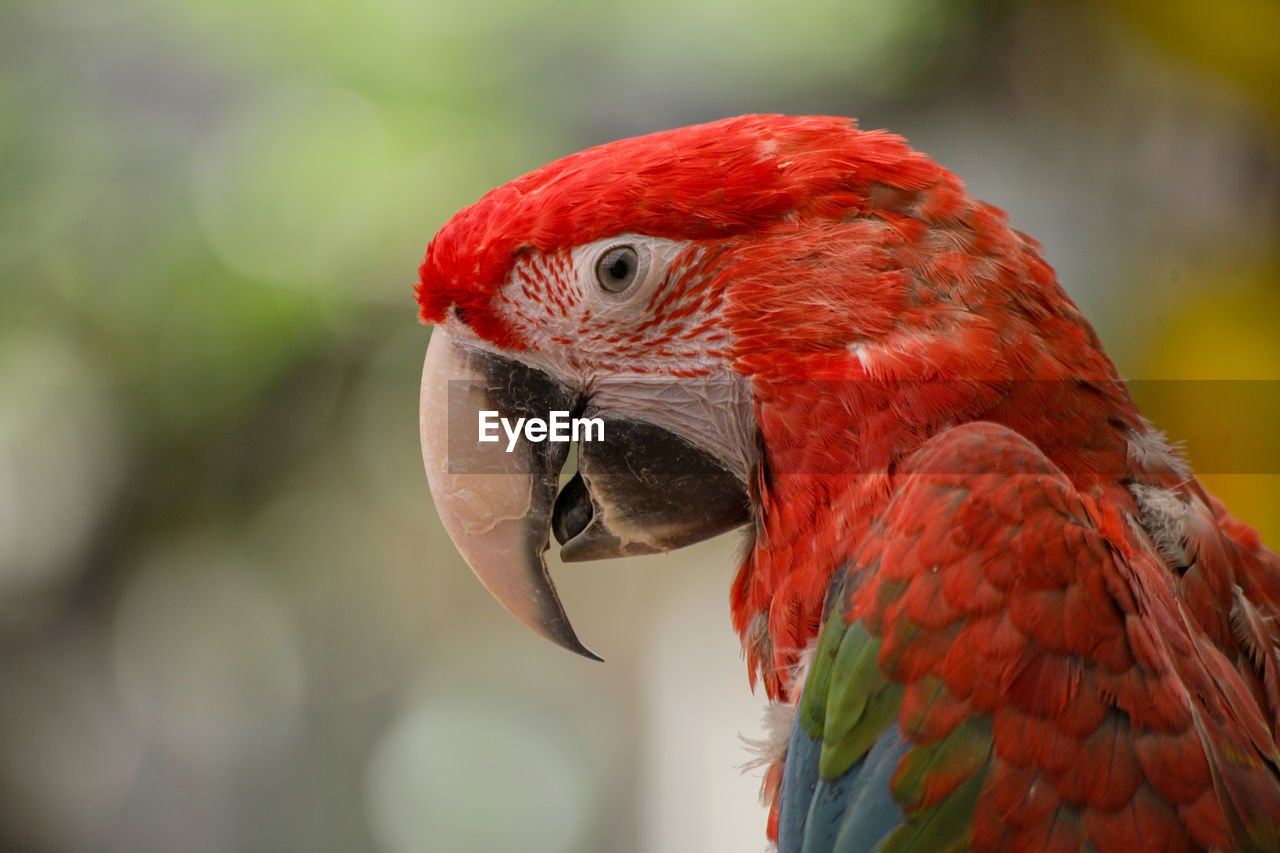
557 302
656 256
654 350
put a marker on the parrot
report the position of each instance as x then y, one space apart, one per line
989 605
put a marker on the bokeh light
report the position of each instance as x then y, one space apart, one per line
505 778
206 656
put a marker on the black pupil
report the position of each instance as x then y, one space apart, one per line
620 268
617 268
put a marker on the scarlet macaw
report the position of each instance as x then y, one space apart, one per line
1000 611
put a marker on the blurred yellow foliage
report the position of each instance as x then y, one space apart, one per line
1212 382
1233 38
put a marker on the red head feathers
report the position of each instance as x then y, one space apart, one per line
707 181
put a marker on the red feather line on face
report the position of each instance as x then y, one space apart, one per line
703 182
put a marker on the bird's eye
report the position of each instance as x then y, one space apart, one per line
618 268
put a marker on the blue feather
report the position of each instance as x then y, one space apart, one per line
871 813
850 814
799 776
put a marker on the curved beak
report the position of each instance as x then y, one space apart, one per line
496 505
652 476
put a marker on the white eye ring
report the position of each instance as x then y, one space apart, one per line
619 267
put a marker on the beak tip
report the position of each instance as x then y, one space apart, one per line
559 631
589 655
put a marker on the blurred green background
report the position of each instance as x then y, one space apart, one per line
229 618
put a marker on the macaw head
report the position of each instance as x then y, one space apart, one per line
734 303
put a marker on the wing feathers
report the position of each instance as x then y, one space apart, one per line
1024 657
